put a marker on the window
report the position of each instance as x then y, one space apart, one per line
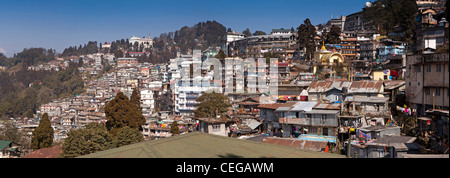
418 68
438 68
216 128
438 92
427 91
312 130
428 68
324 118
325 131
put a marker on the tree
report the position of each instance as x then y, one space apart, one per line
257 32
135 99
393 16
10 132
247 32
305 38
120 112
211 105
127 136
118 53
95 137
43 134
174 128
221 55
332 37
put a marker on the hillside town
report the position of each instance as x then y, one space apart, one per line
368 96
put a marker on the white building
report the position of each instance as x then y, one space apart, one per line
146 42
233 36
147 101
187 89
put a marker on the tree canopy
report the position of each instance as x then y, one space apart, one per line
332 37
211 105
247 32
174 128
120 112
95 137
257 32
43 134
127 136
393 16
306 33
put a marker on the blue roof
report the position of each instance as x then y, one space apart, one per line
311 137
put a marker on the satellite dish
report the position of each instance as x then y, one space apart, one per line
368 4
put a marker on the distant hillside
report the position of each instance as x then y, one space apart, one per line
200 36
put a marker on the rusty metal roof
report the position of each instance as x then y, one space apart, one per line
301 144
392 84
323 86
335 106
366 87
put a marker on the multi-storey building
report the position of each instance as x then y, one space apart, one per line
350 48
278 43
427 82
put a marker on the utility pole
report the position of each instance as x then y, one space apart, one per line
349 145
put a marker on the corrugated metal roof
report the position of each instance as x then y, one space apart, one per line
303 106
365 87
252 123
328 106
392 84
367 99
309 145
323 86
316 111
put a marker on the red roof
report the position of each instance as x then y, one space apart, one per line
283 64
52 152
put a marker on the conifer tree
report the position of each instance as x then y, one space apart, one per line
120 112
43 134
135 99
305 38
174 128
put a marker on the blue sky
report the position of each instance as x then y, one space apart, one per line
59 24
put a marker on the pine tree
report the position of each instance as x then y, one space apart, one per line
135 99
120 112
43 134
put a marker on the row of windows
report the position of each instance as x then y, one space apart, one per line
437 91
428 68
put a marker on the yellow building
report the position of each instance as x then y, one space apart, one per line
326 59
380 75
